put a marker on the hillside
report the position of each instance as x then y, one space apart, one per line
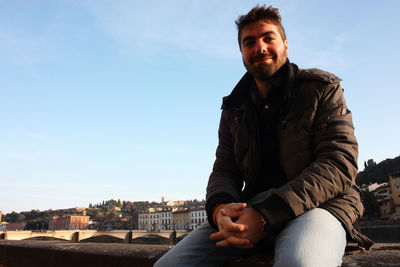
378 172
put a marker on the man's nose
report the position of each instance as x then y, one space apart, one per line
262 47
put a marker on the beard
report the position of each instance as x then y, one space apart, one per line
263 71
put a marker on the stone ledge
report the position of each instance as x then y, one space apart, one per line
60 253
33 253
381 254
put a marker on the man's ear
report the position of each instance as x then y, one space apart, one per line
286 46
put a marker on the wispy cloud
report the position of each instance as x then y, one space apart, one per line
36 135
16 48
10 184
182 151
332 56
138 27
20 156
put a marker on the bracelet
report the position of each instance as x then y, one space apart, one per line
263 222
217 208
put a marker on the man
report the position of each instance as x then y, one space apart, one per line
285 165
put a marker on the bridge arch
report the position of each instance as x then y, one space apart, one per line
153 239
102 239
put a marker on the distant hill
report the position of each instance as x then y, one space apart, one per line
378 172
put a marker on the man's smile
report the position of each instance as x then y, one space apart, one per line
262 58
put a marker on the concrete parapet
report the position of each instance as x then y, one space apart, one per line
33 253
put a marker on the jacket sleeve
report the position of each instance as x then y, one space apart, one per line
333 169
225 181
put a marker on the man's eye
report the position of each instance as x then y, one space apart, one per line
249 43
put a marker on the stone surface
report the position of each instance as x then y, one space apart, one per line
63 253
381 254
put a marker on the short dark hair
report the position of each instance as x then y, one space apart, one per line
257 13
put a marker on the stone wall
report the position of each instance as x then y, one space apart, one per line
383 233
34 253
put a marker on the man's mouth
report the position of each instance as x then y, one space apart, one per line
261 58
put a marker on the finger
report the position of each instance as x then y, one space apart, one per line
231 212
235 206
218 236
223 244
223 234
226 224
236 242
228 229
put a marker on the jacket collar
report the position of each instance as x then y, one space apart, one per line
241 91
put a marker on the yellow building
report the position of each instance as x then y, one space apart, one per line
383 194
180 219
395 185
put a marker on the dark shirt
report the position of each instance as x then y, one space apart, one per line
271 173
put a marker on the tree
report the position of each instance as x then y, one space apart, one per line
371 205
21 218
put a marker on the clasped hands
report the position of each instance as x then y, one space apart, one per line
245 232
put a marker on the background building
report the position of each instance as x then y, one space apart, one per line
15 226
3 226
197 217
383 194
155 221
395 185
183 219
180 219
69 222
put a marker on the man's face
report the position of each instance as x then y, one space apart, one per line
263 50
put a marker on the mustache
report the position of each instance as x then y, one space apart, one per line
261 56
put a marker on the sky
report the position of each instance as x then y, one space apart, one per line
121 99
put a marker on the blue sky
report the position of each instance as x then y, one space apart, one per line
121 99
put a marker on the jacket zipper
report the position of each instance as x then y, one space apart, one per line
333 123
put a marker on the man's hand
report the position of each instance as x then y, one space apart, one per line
254 232
244 233
228 229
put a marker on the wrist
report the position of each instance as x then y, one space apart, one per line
217 208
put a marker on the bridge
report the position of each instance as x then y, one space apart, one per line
82 235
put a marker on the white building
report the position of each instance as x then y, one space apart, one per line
197 217
165 220
168 220
155 221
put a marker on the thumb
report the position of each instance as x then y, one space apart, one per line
233 209
235 206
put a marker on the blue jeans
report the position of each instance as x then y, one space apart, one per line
314 239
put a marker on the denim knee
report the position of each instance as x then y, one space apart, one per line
315 238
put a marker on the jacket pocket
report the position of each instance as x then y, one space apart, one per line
336 121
